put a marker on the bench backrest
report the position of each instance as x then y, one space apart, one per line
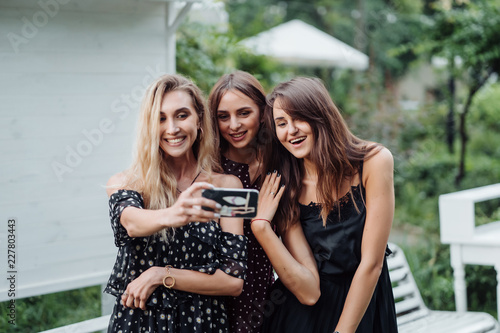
409 303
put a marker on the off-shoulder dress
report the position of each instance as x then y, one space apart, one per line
201 247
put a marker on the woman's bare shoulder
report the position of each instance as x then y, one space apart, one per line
380 155
115 183
379 163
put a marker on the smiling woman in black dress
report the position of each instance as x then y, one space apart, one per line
340 192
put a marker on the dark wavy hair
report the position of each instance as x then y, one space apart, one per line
337 153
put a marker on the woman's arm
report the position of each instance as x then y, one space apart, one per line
292 259
379 185
219 283
145 222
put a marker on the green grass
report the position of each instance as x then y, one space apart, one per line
34 314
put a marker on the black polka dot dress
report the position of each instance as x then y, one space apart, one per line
246 311
202 247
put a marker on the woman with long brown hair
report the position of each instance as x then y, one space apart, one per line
237 102
340 194
175 260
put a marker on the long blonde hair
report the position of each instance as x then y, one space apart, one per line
150 173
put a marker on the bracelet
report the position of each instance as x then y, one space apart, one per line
169 286
261 220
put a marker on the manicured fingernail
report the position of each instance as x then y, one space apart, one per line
216 215
218 206
282 185
275 171
278 175
268 173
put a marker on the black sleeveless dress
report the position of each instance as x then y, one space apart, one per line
337 250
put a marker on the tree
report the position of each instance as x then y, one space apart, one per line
204 54
468 32
373 26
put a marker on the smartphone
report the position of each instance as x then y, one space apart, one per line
240 203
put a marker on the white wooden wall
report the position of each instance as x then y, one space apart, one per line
72 74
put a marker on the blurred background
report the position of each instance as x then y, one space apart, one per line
418 76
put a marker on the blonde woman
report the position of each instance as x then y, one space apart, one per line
175 260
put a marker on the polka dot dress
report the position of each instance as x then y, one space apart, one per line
246 311
202 247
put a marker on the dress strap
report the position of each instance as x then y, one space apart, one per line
199 173
360 172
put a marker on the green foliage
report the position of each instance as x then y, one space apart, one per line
487 211
374 27
484 111
427 171
470 32
249 17
481 288
267 71
387 26
418 182
34 314
424 169
481 169
430 265
205 54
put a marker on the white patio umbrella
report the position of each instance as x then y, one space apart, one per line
298 43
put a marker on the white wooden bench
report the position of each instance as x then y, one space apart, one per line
470 243
414 317
87 326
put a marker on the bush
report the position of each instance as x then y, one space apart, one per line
34 314
430 265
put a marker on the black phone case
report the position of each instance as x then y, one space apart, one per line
235 202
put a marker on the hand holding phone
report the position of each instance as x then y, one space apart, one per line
241 203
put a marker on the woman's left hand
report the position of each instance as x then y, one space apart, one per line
269 196
139 290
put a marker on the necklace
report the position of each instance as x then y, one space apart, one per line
179 191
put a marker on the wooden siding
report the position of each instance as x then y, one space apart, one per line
69 98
